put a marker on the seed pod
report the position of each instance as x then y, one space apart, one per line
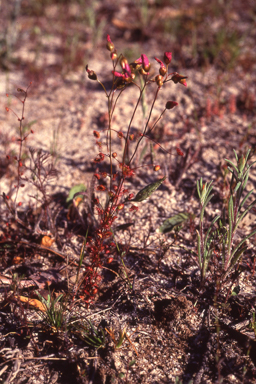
171 104
159 80
91 74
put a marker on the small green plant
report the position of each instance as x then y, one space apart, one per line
94 337
55 311
226 248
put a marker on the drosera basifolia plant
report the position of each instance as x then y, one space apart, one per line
221 240
100 243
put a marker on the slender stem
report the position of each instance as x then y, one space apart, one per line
21 139
146 125
131 120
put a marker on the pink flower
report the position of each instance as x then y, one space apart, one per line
167 57
126 75
143 60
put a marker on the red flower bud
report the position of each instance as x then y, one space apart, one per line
171 104
113 55
167 57
110 45
177 78
114 155
101 188
179 152
99 158
96 134
124 63
162 69
143 60
91 74
156 168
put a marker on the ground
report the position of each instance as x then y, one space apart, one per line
151 320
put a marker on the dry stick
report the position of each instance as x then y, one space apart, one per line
45 358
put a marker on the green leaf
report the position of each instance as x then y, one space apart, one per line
144 193
232 164
170 223
77 188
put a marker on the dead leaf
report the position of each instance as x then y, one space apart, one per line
47 241
17 260
33 302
